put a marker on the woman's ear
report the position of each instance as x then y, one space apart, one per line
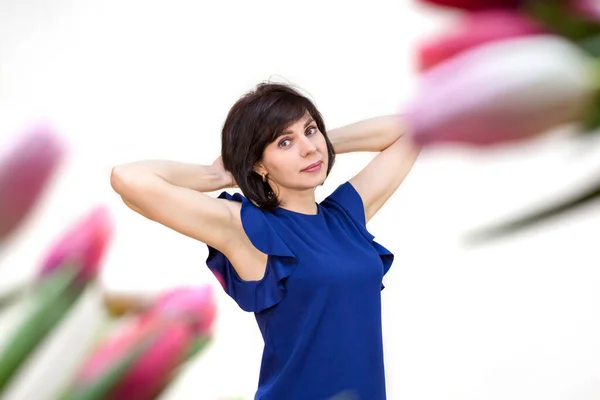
259 168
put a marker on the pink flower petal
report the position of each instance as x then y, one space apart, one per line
26 170
474 5
196 305
475 29
152 371
84 245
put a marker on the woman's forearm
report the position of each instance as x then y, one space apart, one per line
373 134
202 178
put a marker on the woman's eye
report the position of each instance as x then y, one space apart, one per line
287 142
284 143
312 130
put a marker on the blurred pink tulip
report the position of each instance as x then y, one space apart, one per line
82 246
475 29
139 361
196 305
502 91
71 265
475 5
154 350
25 173
588 8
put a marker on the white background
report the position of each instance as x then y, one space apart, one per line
128 80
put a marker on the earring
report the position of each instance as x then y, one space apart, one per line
264 177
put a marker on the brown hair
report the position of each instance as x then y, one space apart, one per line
253 122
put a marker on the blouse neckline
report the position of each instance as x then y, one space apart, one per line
318 214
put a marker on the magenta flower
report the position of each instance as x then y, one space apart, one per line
475 29
475 5
72 264
587 8
196 305
140 360
82 246
136 363
503 91
26 171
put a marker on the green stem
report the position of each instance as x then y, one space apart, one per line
55 298
10 296
104 384
584 197
595 67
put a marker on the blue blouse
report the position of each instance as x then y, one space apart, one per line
318 305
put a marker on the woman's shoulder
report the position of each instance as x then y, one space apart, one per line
274 260
345 198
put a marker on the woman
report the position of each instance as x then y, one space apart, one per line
310 272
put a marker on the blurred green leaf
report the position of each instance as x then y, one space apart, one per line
54 298
102 387
590 45
197 346
591 120
507 228
556 16
12 295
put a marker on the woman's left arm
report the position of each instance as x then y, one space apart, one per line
388 135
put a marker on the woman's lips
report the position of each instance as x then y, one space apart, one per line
313 168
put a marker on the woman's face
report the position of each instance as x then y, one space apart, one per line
286 159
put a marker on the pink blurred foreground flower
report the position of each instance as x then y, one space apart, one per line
26 170
82 246
72 264
473 30
140 360
475 5
587 8
196 305
503 91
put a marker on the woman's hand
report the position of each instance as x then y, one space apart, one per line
217 167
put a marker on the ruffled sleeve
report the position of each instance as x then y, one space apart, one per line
255 296
346 199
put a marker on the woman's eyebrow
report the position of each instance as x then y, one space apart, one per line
306 124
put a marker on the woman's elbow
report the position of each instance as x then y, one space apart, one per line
124 178
132 182
117 179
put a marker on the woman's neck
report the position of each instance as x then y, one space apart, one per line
299 201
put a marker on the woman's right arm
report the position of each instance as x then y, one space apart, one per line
170 193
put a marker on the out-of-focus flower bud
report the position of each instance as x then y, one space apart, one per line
26 169
135 363
140 360
503 91
475 5
589 9
82 247
473 30
72 264
196 305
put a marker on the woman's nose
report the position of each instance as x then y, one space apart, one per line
307 146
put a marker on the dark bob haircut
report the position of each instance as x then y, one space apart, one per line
253 122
